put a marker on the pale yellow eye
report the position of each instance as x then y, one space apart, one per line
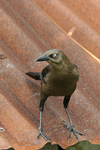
54 55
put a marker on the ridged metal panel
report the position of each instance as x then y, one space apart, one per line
27 30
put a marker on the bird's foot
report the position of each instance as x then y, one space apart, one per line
71 128
40 132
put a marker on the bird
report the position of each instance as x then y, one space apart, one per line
59 78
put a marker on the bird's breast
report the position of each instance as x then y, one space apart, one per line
58 86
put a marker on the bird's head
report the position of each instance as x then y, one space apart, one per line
54 57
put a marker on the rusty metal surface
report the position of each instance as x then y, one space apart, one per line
27 30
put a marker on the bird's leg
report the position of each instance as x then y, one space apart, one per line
40 130
71 127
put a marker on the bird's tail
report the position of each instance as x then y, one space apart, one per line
35 75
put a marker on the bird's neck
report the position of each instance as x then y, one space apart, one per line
65 66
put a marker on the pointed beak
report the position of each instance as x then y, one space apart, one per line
42 58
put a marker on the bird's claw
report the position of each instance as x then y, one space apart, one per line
71 128
40 132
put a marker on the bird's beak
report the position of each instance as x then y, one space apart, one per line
43 58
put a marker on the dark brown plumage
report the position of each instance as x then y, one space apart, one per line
57 79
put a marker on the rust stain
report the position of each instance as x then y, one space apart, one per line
2 56
27 30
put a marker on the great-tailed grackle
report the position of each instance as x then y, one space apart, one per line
57 79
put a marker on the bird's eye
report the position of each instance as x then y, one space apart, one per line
53 55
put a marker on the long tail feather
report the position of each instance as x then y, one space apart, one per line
35 75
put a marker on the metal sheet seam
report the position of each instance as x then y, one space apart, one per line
84 49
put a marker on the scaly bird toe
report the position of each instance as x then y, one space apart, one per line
40 132
71 128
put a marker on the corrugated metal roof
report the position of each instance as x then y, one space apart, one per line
27 30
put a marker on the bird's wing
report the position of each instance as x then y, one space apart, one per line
39 75
74 66
76 72
45 71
